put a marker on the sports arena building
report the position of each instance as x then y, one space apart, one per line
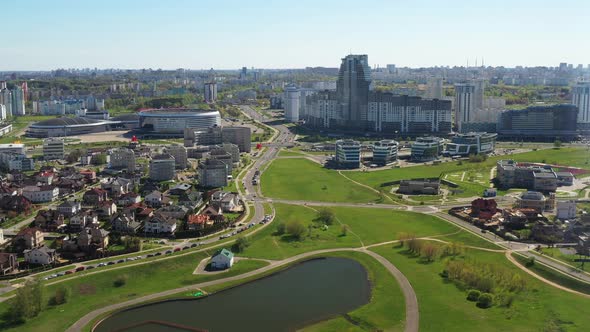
173 121
60 127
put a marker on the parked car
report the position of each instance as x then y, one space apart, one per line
150 255
121 261
69 272
111 263
157 254
194 245
90 267
101 264
168 252
176 249
187 247
80 268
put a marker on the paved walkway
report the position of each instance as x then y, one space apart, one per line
412 314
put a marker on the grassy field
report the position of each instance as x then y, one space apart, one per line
576 157
302 179
468 239
96 291
443 306
566 258
554 276
368 225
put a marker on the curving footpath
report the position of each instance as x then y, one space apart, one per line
412 315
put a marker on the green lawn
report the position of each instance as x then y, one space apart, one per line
302 179
566 258
96 291
443 306
290 153
369 224
552 275
469 239
565 156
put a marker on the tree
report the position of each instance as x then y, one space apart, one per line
403 237
557 144
241 244
326 216
296 229
344 229
429 251
281 228
28 302
120 280
61 296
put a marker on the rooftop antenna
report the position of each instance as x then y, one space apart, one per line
475 62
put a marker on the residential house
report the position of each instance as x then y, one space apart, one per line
140 211
8 190
29 238
180 189
191 200
231 203
197 222
222 259
41 194
49 220
68 185
90 238
106 209
69 208
117 186
128 199
217 196
156 199
41 255
95 196
125 223
17 204
45 178
173 211
159 224
214 212
88 174
83 220
8 263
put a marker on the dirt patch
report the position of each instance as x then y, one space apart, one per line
86 289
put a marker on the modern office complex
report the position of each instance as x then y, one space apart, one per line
173 121
162 167
539 123
213 173
348 153
179 154
123 158
471 143
427 148
385 152
511 174
53 148
13 148
581 98
210 93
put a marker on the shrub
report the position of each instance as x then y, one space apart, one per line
281 227
473 295
241 244
485 300
530 261
296 228
120 281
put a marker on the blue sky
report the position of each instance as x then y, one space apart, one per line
226 34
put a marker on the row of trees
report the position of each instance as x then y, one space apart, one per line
428 249
29 301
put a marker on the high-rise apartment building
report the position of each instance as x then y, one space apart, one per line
581 98
464 103
18 101
352 90
210 93
213 173
292 104
539 123
435 88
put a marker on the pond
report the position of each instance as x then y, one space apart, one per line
308 292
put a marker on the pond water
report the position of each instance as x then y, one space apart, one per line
309 292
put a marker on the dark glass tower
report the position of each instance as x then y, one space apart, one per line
352 89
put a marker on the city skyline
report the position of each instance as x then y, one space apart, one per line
229 35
